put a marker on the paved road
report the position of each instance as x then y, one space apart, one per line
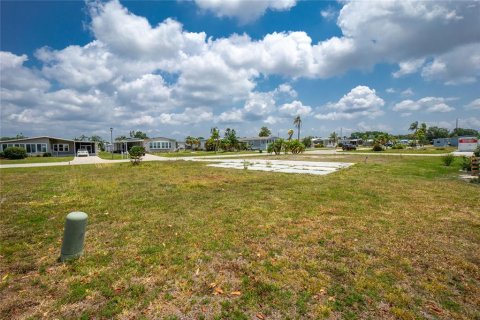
150 157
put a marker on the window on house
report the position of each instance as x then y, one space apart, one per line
41 147
60 147
160 145
32 147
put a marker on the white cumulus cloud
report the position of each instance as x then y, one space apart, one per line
474 105
427 104
361 101
244 10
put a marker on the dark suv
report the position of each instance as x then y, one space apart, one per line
349 146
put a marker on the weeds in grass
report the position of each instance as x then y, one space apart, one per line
380 240
448 159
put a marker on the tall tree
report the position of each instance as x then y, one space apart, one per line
190 141
196 142
120 138
307 141
436 132
297 122
333 136
138 134
414 127
215 135
264 132
422 133
458 132
383 139
231 140
290 134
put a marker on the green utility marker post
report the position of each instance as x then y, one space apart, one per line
73 236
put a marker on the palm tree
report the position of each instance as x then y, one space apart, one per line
215 136
297 122
290 134
196 143
414 128
334 137
382 139
190 141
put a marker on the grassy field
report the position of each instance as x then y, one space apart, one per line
108 156
426 150
200 153
36 160
392 238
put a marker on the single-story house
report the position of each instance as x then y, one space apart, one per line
182 145
55 146
443 142
355 142
158 144
258 143
327 142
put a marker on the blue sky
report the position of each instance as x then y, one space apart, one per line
178 68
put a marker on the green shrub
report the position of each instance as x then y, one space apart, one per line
448 159
307 142
296 147
276 146
319 145
136 153
476 152
398 146
340 145
466 163
47 154
377 147
210 145
2 155
15 153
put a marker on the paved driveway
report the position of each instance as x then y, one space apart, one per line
92 160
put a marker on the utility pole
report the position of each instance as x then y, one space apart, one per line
111 141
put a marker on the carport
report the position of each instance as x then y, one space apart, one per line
122 146
90 146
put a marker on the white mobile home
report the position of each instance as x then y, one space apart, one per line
55 146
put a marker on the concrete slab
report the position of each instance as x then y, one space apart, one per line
298 167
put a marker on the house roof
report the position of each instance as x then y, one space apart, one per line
258 138
31 138
142 140
129 140
160 138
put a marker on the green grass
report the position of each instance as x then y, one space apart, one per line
392 238
201 153
36 160
108 156
425 150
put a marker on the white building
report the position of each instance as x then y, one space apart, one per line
258 143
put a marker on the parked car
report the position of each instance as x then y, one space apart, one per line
82 153
348 146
